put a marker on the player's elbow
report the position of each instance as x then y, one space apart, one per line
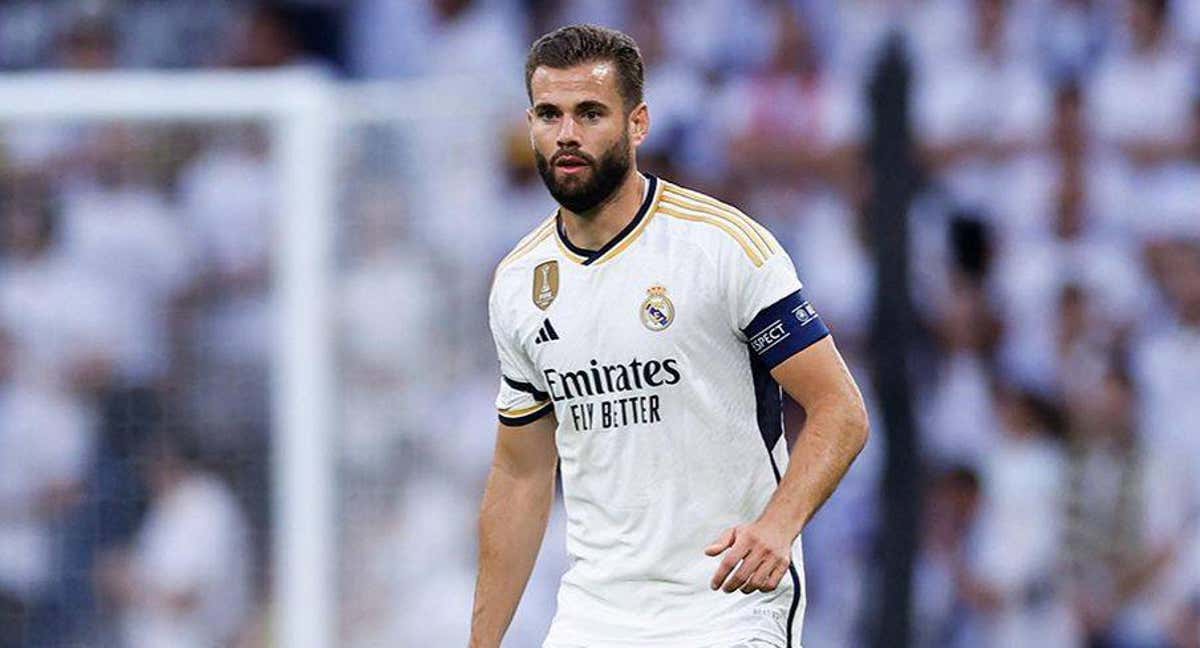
856 424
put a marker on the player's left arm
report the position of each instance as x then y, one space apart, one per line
835 432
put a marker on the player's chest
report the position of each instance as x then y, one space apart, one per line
579 314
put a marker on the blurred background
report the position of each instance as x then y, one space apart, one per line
995 204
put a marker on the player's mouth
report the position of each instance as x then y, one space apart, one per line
571 163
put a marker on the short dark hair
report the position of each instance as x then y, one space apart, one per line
575 44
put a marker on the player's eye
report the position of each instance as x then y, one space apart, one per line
591 115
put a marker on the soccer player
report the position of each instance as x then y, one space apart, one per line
644 331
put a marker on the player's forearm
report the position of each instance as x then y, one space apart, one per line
512 522
835 432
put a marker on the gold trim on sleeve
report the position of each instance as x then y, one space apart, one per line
519 412
764 235
722 224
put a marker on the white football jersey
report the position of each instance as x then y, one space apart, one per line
654 354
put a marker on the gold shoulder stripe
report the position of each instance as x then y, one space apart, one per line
766 236
719 222
515 412
696 197
745 238
529 242
743 221
696 208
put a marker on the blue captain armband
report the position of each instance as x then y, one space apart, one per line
784 329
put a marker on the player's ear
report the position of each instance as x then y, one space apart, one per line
639 123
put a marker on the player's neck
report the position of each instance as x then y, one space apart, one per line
590 230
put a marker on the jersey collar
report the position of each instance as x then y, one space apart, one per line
619 242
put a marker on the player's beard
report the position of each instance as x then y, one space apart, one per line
579 195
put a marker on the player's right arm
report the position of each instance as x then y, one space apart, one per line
512 521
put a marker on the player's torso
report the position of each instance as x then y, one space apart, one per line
637 355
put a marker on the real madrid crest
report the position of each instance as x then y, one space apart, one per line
545 284
657 310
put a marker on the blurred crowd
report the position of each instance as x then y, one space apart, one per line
1056 272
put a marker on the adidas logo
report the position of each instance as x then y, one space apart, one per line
546 333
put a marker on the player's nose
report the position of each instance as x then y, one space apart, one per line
567 133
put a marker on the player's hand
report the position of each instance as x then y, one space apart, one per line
764 552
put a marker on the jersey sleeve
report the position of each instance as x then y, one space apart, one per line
770 309
522 399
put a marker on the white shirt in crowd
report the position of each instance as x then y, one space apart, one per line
973 98
129 238
958 421
58 318
389 374
1167 74
1167 366
46 443
1017 549
227 197
1035 271
193 542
